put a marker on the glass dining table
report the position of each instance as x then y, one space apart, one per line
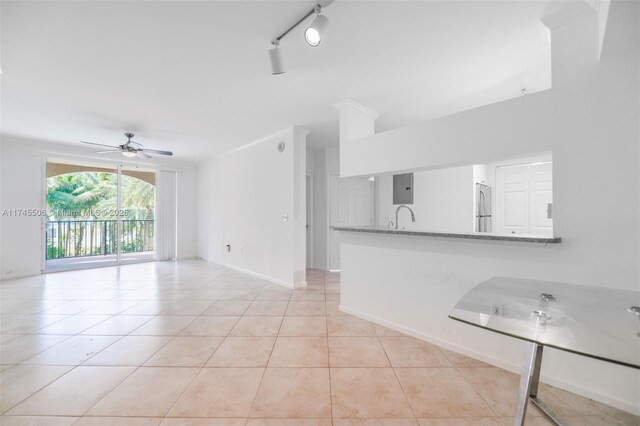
591 321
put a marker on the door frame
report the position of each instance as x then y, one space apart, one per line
117 166
329 230
43 218
536 160
309 205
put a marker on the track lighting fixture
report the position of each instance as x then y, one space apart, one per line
276 60
312 34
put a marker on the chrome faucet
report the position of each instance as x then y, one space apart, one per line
413 216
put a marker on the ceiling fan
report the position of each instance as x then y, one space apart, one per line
129 150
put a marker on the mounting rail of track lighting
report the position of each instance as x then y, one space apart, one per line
312 34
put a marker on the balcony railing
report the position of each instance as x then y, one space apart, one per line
79 238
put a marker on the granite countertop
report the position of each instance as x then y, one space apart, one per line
474 236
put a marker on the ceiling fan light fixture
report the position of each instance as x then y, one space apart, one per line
127 150
314 32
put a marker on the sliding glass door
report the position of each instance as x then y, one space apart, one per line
137 207
98 215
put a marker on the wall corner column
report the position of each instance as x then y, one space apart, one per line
299 206
356 121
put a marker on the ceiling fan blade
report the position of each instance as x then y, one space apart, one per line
99 144
155 151
107 151
134 142
143 155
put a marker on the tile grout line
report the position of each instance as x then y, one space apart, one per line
193 294
74 367
326 326
195 376
69 336
495 412
127 376
395 374
458 369
142 365
264 371
38 390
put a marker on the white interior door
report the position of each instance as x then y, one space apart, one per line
350 203
540 199
512 202
524 195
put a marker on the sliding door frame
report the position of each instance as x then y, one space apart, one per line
117 166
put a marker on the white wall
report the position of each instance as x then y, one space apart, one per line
245 194
589 120
325 161
411 285
23 177
320 210
299 218
590 125
442 200
332 156
209 241
187 212
22 188
311 159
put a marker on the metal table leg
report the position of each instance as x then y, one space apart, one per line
528 390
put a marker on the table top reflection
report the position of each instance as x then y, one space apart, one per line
592 321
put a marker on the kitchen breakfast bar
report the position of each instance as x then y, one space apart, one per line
410 281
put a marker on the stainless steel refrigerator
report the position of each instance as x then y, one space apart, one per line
483 208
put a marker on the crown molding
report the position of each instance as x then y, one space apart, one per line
348 103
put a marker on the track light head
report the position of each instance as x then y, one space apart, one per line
314 32
276 60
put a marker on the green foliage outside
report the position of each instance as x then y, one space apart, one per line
80 195
86 203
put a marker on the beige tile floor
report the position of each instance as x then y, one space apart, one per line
191 343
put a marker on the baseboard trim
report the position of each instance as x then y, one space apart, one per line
19 275
300 285
258 275
514 368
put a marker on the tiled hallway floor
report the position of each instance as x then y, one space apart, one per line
191 343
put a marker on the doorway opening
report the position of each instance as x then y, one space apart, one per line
309 221
524 196
351 202
98 215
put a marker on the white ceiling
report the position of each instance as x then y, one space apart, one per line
194 77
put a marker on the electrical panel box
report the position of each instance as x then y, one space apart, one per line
403 188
